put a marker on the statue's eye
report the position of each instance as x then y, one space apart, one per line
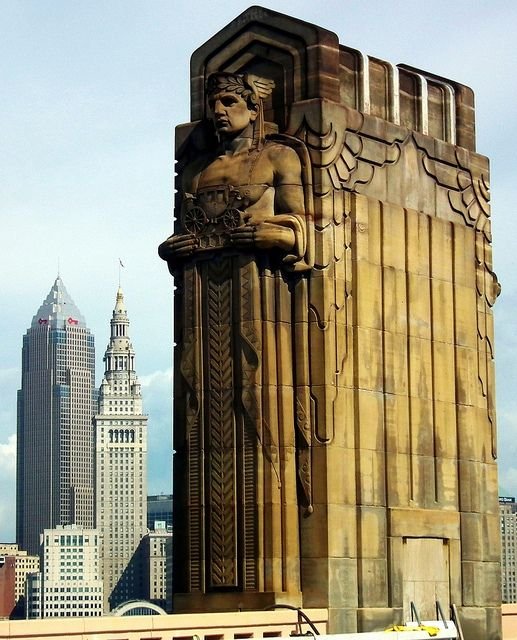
228 101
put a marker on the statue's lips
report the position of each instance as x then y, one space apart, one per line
223 122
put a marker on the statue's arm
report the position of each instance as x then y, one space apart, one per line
284 230
287 180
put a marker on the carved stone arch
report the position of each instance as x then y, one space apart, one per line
142 607
304 57
264 59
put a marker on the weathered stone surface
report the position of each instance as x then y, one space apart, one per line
375 619
480 586
373 583
339 618
334 413
480 537
424 522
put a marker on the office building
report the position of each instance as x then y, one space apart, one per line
69 584
157 564
15 565
121 453
508 516
33 599
7 599
159 510
55 466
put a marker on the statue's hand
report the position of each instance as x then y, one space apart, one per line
265 235
177 247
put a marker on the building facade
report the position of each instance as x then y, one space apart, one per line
33 591
508 515
157 560
121 453
159 510
55 464
70 584
15 566
7 580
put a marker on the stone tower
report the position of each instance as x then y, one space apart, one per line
334 420
121 460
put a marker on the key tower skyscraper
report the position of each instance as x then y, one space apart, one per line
56 403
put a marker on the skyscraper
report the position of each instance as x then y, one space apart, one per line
508 525
121 453
55 463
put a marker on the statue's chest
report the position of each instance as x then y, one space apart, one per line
236 170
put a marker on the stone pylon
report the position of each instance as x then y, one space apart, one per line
334 401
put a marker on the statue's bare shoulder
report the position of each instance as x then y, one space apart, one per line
285 162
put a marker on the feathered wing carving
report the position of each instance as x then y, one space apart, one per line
344 147
346 150
335 158
466 180
263 86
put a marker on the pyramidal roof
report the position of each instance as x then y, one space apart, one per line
58 309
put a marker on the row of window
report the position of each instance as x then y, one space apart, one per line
75 589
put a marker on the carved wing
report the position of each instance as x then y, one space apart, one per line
345 154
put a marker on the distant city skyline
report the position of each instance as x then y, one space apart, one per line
94 92
162 484
82 460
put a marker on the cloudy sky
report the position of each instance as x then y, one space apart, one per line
91 92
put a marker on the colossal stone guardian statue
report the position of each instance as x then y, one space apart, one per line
239 254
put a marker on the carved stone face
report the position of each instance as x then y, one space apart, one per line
230 113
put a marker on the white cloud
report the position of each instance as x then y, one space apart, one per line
8 455
9 383
507 451
7 375
157 399
156 378
8 484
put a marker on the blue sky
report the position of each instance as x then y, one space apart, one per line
91 92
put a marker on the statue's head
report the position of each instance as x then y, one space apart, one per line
233 102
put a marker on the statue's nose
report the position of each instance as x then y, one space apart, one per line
218 107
